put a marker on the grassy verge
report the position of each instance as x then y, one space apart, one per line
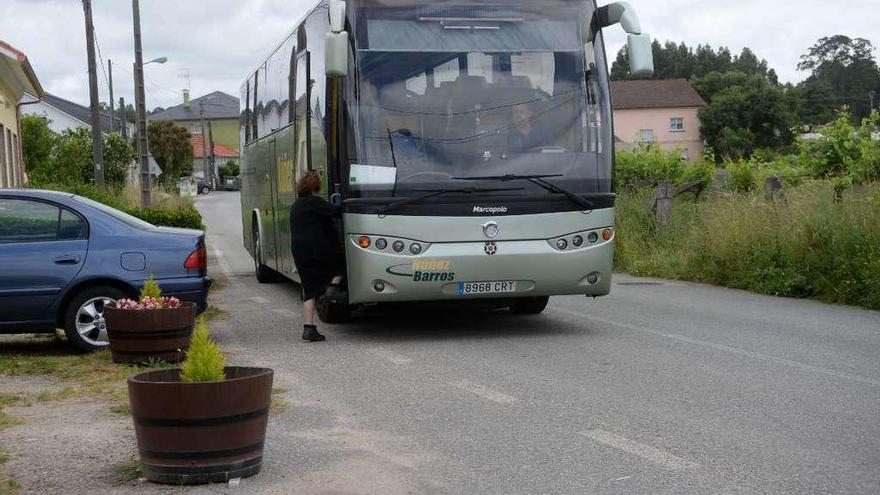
808 246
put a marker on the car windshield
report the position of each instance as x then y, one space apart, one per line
119 215
477 91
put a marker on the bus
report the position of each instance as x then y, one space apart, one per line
467 144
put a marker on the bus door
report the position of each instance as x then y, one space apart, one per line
273 247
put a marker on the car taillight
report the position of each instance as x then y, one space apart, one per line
197 260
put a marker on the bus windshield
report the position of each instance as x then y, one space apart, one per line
455 90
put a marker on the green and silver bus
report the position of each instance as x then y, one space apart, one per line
468 144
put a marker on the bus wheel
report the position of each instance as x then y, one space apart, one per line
529 305
333 312
265 274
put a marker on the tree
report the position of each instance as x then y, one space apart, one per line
842 73
744 113
66 159
128 114
673 61
37 141
170 146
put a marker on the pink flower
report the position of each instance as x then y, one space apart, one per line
171 302
129 304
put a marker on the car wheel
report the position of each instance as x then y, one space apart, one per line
84 322
529 305
205 190
265 275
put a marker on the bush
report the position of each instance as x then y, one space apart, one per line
204 360
186 219
844 150
809 246
169 210
649 165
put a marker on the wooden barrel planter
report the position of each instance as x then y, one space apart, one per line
137 336
210 432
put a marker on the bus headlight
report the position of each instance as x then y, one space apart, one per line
381 244
577 241
398 246
415 248
561 244
593 237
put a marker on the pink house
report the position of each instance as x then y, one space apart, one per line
658 111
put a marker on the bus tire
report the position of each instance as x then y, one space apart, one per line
265 275
333 312
529 305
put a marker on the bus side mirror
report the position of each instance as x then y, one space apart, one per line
336 54
336 42
641 56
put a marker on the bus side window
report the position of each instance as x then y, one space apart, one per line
301 110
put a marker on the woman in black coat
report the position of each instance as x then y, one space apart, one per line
316 249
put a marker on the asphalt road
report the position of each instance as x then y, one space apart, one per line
661 387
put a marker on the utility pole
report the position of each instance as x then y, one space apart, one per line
871 95
140 103
112 112
124 119
97 139
213 163
204 143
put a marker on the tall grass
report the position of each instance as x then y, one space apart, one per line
161 197
809 246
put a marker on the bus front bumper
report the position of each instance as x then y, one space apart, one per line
447 271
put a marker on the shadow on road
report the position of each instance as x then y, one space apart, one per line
449 321
35 345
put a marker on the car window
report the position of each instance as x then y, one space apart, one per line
119 215
28 221
71 227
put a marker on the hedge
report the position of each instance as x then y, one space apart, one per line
184 217
187 219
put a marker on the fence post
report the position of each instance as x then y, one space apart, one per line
663 203
773 189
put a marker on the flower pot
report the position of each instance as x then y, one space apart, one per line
137 336
208 432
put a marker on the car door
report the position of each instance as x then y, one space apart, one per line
43 247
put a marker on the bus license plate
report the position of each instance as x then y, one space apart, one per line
474 288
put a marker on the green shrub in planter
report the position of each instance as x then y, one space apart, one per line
204 361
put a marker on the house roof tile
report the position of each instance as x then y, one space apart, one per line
218 105
654 93
79 112
196 140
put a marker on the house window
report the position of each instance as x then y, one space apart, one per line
646 135
676 124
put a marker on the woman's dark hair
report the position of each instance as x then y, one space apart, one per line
308 184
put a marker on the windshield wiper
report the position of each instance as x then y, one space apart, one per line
539 181
439 192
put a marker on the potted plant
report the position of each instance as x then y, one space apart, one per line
203 422
153 328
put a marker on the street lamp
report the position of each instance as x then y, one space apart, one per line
160 60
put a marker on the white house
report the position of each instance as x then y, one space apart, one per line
65 114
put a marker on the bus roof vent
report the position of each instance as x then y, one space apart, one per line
497 13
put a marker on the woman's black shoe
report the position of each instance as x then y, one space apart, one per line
310 333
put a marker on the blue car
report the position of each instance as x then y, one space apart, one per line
63 258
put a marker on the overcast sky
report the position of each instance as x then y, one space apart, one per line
217 42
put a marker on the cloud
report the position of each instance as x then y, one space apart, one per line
218 42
